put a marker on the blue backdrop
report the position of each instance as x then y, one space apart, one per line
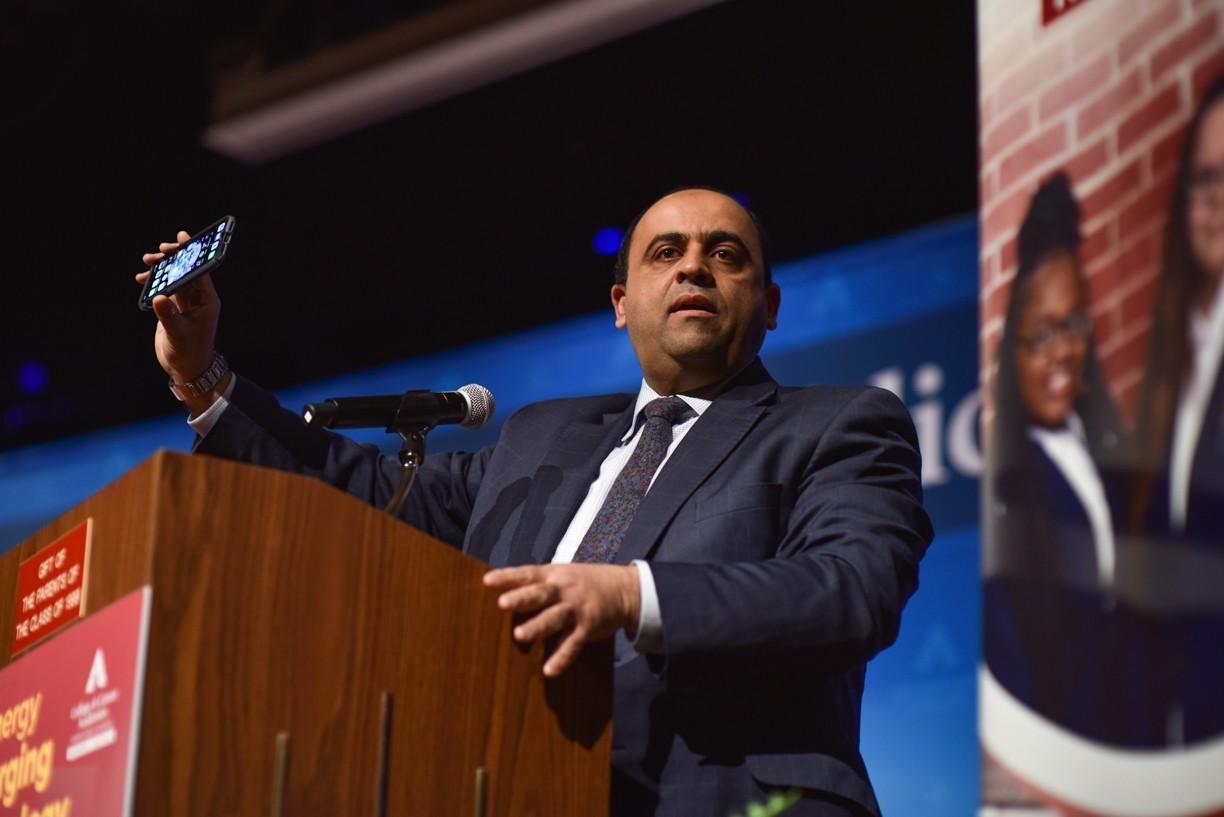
900 312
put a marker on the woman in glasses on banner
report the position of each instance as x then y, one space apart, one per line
1050 614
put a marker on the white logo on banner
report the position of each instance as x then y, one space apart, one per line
97 674
945 437
96 729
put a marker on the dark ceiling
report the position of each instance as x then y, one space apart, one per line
839 122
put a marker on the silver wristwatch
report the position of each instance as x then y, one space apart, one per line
204 383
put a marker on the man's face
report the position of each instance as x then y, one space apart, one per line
695 300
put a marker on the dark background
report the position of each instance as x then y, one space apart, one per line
838 122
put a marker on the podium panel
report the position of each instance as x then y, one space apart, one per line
308 654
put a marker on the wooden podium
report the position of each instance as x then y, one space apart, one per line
310 655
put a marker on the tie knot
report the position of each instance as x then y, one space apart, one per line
672 409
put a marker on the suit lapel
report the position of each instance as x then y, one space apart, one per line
708 443
561 483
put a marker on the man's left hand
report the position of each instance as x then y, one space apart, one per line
581 602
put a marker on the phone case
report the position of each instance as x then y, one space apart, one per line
200 254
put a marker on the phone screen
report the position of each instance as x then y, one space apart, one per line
199 254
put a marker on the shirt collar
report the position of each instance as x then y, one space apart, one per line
646 394
1072 429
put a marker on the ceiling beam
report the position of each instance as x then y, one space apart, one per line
432 73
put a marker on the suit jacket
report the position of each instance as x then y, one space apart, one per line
1191 569
1089 661
784 535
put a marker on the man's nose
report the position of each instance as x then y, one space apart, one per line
693 267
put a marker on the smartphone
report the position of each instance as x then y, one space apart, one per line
201 253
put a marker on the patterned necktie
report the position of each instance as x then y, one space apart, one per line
604 536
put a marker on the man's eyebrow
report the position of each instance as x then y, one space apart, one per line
721 236
666 238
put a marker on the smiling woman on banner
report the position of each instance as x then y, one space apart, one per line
1050 547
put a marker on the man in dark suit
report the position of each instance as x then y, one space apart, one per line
770 559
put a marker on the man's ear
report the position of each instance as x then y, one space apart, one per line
773 299
618 305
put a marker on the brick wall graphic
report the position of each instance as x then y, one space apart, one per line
1104 92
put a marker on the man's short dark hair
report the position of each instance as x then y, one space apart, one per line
620 270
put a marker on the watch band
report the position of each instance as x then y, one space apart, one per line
204 383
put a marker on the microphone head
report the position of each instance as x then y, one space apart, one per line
320 414
480 405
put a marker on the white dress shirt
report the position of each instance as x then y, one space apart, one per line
1206 336
649 636
1068 451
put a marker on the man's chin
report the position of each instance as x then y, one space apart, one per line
713 362
696 355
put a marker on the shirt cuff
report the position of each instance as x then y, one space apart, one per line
649 638
207 418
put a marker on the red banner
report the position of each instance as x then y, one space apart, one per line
69 714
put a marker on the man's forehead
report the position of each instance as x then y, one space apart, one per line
695 214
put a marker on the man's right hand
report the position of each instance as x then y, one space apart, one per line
186 328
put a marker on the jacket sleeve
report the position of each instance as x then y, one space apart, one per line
254 428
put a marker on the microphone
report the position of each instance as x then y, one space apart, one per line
471 407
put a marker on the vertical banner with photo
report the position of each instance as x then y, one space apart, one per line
1101 689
